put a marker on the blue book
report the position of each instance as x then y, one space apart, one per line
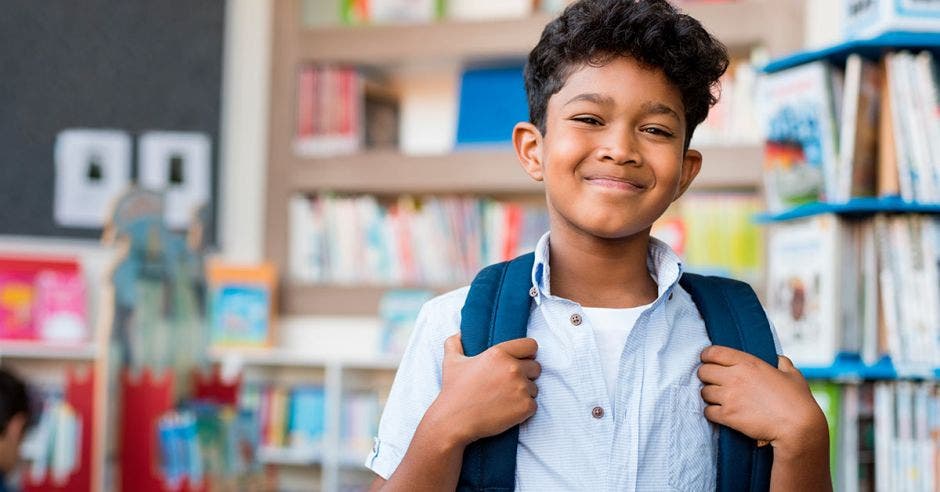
492 101
307 408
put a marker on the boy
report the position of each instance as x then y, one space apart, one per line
14 419
617 348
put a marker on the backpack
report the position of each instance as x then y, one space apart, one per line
497 309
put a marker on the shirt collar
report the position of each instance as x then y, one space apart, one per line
664 265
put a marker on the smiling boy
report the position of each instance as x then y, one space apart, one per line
617 386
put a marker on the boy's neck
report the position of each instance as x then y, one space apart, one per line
595 272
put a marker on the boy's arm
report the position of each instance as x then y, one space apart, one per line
480 396
772 405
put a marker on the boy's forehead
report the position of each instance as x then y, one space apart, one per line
617 78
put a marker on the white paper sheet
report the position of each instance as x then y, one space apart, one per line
92 167
158 151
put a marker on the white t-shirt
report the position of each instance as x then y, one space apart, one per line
611 327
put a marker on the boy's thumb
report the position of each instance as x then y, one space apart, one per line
785 364
452 345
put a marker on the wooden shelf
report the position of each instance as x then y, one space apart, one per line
339 300
16 349
291 358
389 172
483 171
739 25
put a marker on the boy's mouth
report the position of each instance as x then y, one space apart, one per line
616 182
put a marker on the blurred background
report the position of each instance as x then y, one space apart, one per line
219 219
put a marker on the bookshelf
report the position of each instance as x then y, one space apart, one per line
338 374
493 171
875 369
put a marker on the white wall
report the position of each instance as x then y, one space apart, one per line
243 157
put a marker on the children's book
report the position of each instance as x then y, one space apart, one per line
803 296
398 310
798 114
858 142
41 296
242 304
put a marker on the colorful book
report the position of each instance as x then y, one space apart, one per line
798 112
242 304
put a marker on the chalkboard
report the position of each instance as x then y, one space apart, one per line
134 66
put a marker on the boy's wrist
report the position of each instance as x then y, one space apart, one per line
806 436
448 430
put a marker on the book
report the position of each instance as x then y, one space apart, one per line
398 311
242 304
858 136
800 154
829 397
803 297
492 101
42 297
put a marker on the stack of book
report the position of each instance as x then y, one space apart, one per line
870 129
865 287
433 241
715 234
287 417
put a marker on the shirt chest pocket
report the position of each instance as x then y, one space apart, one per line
693 460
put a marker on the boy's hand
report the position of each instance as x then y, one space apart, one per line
765 403
484 395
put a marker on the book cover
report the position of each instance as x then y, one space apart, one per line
798 113
241 304
803 298
492 101
59 308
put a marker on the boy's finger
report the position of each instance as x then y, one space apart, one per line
533 389
452 345
531 369
520 348
712 373
725 356
713 394
715 413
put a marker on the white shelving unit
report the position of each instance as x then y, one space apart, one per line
337 374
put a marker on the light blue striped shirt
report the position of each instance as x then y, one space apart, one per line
652 434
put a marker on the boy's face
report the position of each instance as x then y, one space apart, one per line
612 156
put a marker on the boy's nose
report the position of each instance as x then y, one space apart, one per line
619 148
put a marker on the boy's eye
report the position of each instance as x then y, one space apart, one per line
657 131
590 120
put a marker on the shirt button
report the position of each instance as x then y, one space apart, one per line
576 319
597 412
533 292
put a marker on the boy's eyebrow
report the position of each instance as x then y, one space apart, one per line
592 97
660 108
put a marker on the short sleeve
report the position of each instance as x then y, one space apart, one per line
417 382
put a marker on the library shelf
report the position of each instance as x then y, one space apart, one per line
279 357
17 349
739 25
491 170
854 207
291 456
869 48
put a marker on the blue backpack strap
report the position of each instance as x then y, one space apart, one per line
734 318
496 310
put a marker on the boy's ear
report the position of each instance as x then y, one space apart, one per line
527 140
691 165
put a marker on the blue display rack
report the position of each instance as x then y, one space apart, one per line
850 367
869 48
854 207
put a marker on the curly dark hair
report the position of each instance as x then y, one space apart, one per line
652 32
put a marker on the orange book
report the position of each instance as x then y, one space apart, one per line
242 304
